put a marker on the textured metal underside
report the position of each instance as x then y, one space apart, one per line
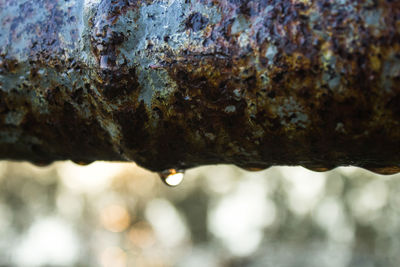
182 83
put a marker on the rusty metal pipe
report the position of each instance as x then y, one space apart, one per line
178 83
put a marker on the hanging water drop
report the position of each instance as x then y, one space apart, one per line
172 177
253 169
82 163
42 163
385 170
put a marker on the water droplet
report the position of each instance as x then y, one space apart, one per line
172 177
319 169
104 62
42 163
253 169
82 163
385 170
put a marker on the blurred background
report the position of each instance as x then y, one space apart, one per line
117 214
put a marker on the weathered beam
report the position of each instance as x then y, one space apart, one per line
178 83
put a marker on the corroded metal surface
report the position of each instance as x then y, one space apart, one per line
178 83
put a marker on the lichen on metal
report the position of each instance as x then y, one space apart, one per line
182 83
